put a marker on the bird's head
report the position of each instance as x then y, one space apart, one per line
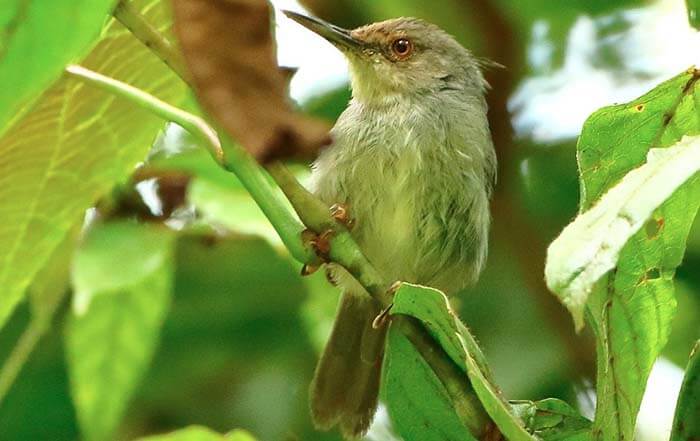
400 58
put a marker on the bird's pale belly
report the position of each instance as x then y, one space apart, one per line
389 239
387 215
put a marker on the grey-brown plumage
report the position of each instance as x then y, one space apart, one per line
413 160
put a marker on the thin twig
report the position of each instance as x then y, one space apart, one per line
253 177
192 123
147 34
316 216
464 400
20 354
37 327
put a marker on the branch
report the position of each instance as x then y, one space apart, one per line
37 327
243 165
147 34
316 216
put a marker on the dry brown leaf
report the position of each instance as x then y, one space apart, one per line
230 52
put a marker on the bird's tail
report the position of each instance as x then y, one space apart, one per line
345 387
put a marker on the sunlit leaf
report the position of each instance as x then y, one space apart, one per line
197 433
126 272
52 281
686 424
431 307
590 246
70 149
631 307
37 40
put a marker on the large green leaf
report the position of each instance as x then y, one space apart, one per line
417 401
631 307
52 282
122 277
589 247
686 424
197 433
37 40
70 148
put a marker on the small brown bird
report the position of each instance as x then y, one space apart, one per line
412 158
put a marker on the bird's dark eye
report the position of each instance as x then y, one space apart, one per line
402 47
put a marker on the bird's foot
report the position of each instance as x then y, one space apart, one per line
321 244
309 269
331 276
383 316
394 287
341 213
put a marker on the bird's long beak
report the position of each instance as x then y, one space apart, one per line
338 36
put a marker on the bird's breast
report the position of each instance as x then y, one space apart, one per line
381 173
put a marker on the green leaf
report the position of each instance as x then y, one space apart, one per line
52 282
590 246
418 403
693 12
431 307
37 40
553 420
231 208
122 277
198 433
686 423
131 252
46 295
631 307
70 148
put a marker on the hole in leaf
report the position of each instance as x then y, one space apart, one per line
639 107
653 227
652 274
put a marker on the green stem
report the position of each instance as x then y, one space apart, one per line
150 37
271 201
464 399
20 354
37 327
192 123
235 159
343 250
316 216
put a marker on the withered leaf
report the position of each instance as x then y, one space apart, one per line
230 53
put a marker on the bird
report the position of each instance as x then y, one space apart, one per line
413 163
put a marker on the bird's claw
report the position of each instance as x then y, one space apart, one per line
380 320
341 213
394 287
309 269
331 277
383 316
321 244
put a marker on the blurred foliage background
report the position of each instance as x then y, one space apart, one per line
239 340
